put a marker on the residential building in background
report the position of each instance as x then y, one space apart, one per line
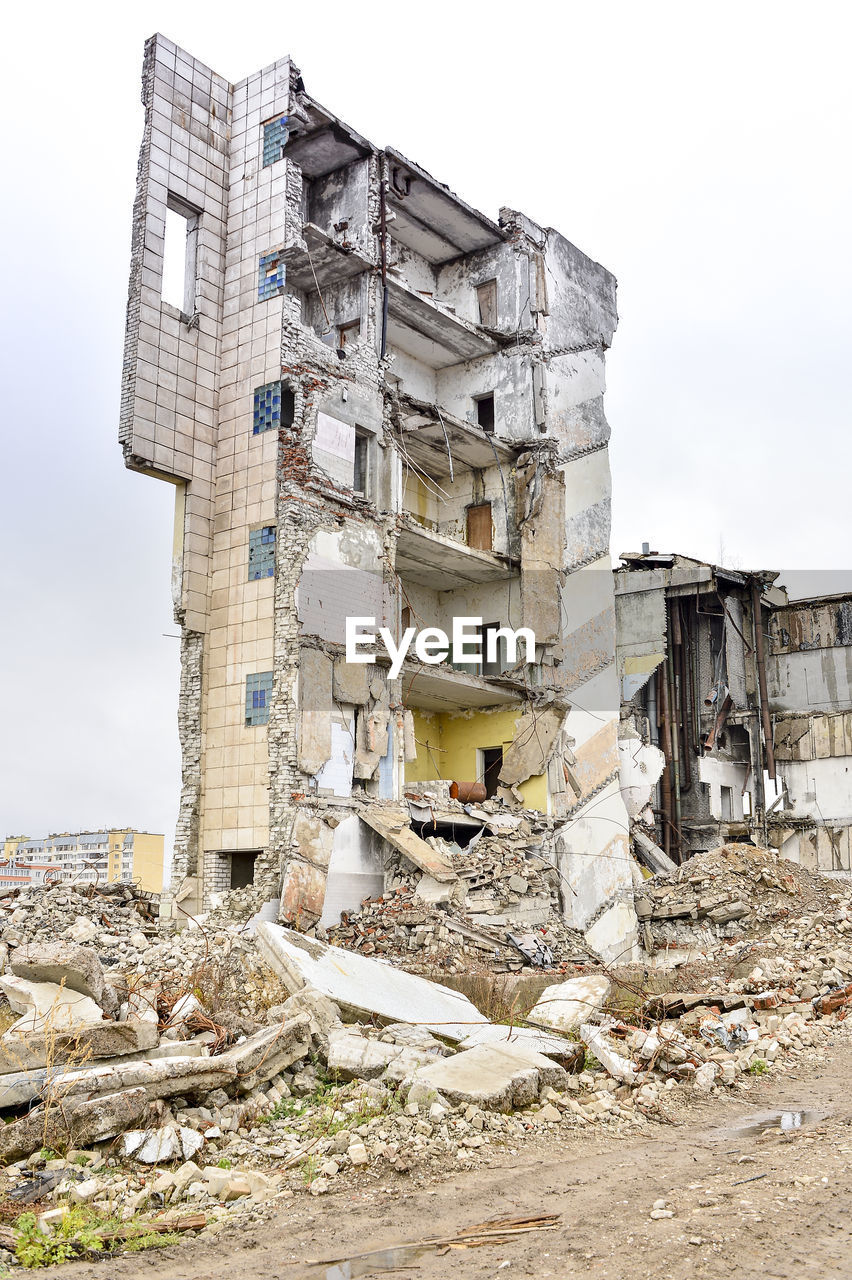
85 857
372 400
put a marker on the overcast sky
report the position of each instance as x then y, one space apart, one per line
700 151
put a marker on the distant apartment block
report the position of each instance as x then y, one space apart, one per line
85 857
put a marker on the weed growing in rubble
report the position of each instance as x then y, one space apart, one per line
74 1235
757 1066
224 1163
152 1240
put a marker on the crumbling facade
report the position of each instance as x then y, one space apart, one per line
696 737
373 401
810 696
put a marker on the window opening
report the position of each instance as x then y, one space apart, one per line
361 470
486 296
727 803
492 763
242 869
179 255
485 412
348 335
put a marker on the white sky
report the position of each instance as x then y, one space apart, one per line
699 151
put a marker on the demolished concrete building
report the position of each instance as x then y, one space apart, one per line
809 671
727 686
696 736
372 400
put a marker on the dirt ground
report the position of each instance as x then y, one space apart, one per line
748 1200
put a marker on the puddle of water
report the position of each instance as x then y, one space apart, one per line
786 1121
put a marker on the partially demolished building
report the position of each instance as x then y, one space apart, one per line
373 401
696 736
810 695
727 688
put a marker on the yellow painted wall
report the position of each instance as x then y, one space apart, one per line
419 501
454 740
148 861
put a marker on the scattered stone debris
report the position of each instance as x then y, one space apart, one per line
166 1078
502 913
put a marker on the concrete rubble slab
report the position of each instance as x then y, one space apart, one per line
162 1078
496 1077
364 986
64 962
564 1005
21 1048
78 1122
352 1056
594 1036
46 1004
525 1037
263 1055
391 823
155 1146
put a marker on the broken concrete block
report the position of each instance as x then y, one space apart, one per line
160 1079
363 986
266 1053
564 1005
151 1146
312 839
184 1008
302 893
22 1049
595 1038
495 1077
526 1037
48 1005
354 1057
393 825
350 682
77 968
434 891
76 1122
83 930
322 1013
614 936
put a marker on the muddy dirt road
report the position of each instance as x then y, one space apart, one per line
747 1198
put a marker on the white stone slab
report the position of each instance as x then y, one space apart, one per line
527 1037
498 1077
364 985
563 1006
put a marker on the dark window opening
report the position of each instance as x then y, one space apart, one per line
288 406
485 412
492 643
242 869
456 832
361 472
492 763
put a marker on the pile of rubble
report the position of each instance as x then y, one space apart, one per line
734 892
174 1083
501 914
